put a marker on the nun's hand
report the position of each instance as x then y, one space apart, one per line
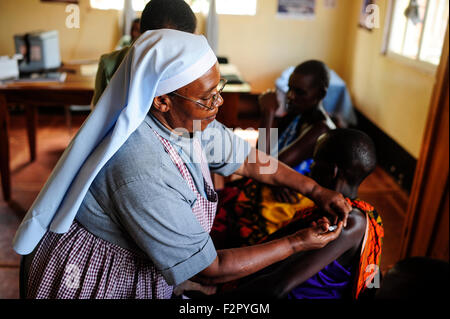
317 236
333 203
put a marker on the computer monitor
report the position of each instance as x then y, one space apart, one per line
40 51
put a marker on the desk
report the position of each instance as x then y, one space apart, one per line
77 89
228 113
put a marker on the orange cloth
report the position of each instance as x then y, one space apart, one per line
371 248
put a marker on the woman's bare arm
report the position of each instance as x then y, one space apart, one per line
298 268
235 263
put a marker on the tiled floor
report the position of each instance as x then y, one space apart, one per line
53 136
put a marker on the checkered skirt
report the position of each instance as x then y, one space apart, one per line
80 265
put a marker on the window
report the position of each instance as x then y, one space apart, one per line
420 35
199 5
107 4
236 7
139 5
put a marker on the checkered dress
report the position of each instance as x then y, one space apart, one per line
80 265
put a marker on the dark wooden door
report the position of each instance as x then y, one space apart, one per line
426 230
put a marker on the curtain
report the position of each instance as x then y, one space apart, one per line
128 16
212 27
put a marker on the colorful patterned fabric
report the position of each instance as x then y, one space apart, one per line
80 265
275 213
247 213
257 216
371 248
236 222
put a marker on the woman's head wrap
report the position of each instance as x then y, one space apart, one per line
160 61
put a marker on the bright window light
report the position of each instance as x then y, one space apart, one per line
423 40
232 7
107 4
434 32
236 7
139 5
199 5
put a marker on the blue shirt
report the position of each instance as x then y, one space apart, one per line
140 201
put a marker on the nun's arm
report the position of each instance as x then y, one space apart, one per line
234 263
266 169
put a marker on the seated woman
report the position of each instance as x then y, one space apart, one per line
305 119
342 160
248 210
128 40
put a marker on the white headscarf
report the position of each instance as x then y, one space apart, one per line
160 61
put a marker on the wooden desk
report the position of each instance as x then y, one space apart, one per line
77 89
228 113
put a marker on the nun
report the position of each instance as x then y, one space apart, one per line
127 211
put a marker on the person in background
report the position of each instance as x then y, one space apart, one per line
157 14
135 32
337 102
305 119
248 210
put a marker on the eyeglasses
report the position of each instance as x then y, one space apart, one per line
214 98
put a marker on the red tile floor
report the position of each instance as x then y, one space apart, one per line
54 135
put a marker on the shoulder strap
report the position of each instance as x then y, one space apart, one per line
176 159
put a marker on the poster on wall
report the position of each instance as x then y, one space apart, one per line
296 9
